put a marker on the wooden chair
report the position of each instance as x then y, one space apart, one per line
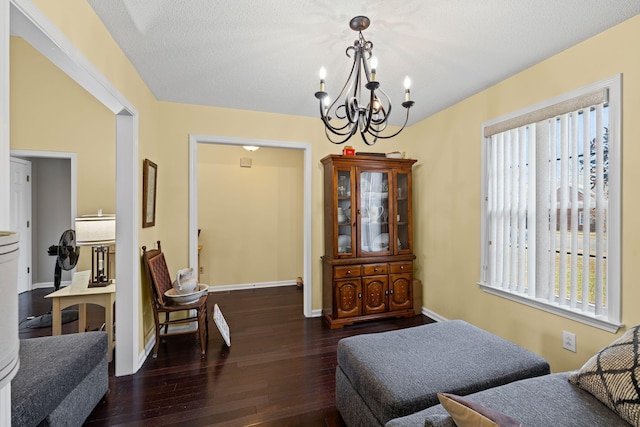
159 281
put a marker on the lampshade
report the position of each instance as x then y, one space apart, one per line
95 230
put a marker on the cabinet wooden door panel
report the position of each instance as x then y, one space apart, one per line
375 295
348 297
400 291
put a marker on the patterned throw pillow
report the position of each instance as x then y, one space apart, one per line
613 374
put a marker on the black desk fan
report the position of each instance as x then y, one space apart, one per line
67 255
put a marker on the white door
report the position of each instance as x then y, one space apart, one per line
20 215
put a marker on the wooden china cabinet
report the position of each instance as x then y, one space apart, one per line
368 258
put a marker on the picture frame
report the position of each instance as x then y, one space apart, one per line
149 187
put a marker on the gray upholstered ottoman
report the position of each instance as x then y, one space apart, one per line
60 380
392 374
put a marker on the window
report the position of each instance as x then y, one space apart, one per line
551 205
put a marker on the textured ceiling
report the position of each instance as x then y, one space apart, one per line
265 55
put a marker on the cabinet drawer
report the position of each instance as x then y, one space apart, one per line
401 267
375 269
347 271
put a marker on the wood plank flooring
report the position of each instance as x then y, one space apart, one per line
279 370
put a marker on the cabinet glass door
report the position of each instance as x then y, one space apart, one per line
403 212
343 214
374 213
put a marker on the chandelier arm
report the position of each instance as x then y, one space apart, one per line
349 119
340 131
344 130
334 129
366 141
345 90
385 118
365 45
346 51
369 114
352 105
383 112
347 135
400 130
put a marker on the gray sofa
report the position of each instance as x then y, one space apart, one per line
544 401
60 380
398 378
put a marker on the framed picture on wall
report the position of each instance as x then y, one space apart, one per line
149 184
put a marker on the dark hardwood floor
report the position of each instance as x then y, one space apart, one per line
279 370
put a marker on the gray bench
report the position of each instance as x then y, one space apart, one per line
388 375
60 380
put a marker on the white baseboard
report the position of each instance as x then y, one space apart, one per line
432 314
148 348
41 285
244 286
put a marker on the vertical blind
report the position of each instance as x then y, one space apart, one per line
547 202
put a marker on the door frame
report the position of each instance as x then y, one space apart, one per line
73 164
194 140
27 21
25 236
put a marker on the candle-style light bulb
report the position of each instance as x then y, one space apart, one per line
407 85
374 65
327 101
323 74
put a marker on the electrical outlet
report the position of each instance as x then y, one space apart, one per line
569 341
201 270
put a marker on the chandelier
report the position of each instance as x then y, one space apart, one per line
356 109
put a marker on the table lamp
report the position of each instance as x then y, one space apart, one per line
99 232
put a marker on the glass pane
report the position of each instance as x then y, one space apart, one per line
344 212
402 211
374 211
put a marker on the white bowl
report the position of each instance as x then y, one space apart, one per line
184 299
395 155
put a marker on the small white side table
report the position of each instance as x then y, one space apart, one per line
66 297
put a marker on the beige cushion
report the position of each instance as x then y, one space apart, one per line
612 376
466 413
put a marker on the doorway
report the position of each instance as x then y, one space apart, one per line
194 140
52 203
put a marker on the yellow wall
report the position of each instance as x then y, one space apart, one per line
251 219
448 197
50 112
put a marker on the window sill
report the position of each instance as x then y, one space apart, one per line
596 322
